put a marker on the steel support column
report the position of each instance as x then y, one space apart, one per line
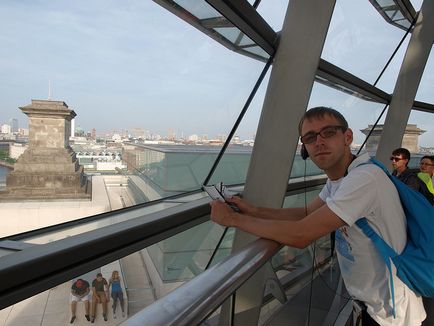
291 81
409 77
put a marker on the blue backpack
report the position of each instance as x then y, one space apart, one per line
415 264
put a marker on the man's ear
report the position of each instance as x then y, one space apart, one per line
348 136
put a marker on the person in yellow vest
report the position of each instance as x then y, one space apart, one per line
427 171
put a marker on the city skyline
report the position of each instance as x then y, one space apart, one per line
119 69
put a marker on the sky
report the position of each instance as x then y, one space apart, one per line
132 64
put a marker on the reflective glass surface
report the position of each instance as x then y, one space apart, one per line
273 12
200 9
425 92
360 114
425 122
360 40
84 226
135 75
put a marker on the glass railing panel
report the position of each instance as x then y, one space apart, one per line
186 100
286 253
146 276
184 256
88 224
54 306
360 41
302 288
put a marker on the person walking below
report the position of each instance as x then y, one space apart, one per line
80 292
116 293
100 295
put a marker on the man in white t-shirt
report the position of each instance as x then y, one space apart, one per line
352 191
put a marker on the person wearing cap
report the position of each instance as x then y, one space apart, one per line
80 292
100 294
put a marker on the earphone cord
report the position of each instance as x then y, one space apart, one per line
314 246
314 263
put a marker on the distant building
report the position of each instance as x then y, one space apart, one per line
193 138
14 124
409 141
6 129
139 133
72 127
23 131
79 132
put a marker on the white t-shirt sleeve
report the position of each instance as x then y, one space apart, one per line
325 192
355 196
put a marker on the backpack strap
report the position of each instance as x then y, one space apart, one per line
386 252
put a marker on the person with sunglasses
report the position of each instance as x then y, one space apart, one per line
400 158
353 190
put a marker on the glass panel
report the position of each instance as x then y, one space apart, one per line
273 12
360 40
245 40
395 15
416 4
294 270
200 9
146 276
257 50
403 22
132 78
233 34
359 113
425 91
386 3
425 143
132 289
186 255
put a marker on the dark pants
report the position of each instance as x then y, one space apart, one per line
362 316
428 304
367 319
115 297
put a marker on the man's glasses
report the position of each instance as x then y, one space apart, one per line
326 132
396 159
425 164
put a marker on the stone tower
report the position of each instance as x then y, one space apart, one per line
409 141
48 169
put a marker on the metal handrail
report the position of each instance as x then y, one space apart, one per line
192 302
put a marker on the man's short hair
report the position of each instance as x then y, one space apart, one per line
319 112
402 151
99 274
429 157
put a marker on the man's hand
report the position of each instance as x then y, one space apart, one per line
244 207
221 213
